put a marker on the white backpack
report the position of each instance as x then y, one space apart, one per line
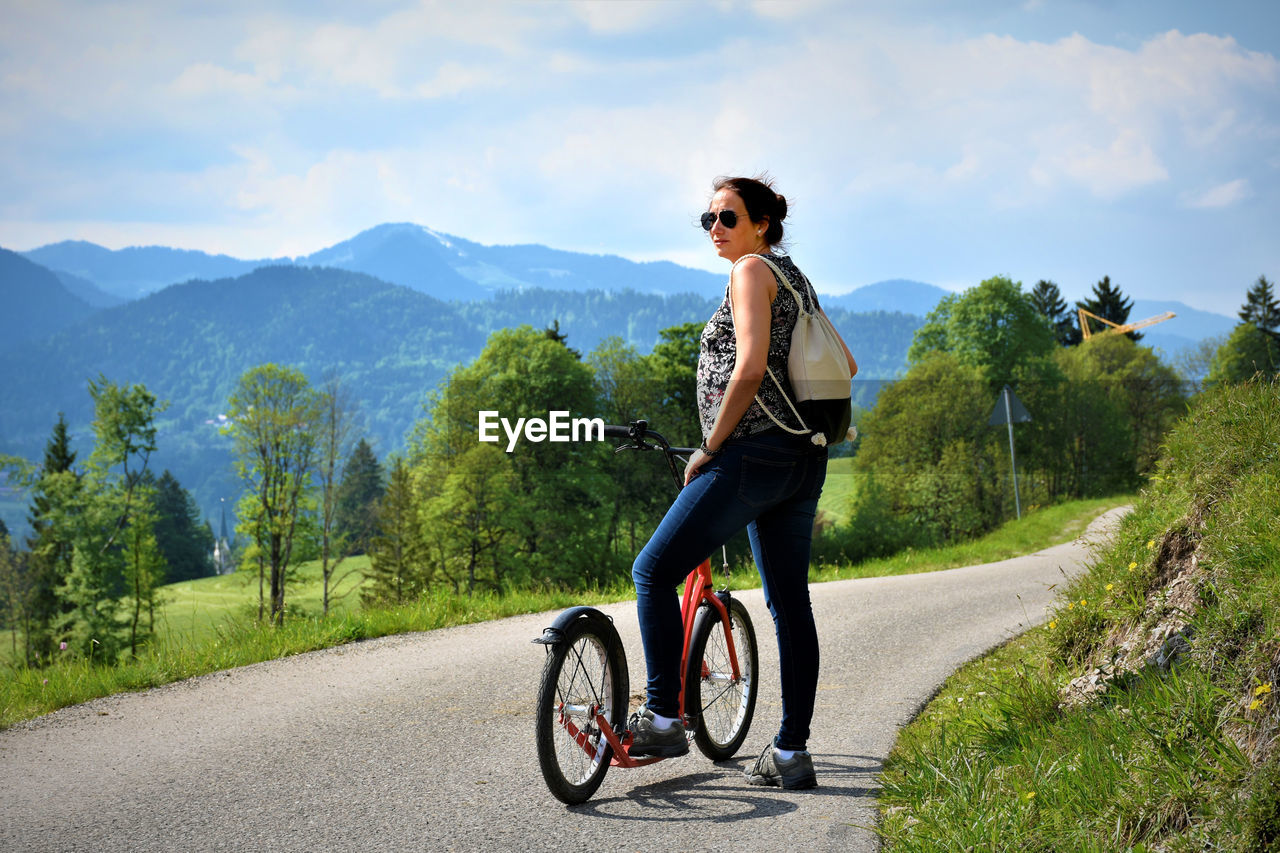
817 367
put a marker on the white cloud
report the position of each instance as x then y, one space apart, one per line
785 10
1126 164
523 121
426 50
204 78
621 16
1223 195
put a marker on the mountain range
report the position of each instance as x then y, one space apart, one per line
454 269
439 265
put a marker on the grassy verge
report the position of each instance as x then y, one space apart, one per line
27 693
208 624
1144 715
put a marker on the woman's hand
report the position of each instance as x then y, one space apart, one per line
691 468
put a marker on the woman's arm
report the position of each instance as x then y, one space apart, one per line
752 289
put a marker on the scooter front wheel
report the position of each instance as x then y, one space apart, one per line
584 679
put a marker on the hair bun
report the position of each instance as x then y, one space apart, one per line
781 206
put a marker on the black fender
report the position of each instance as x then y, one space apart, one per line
555 633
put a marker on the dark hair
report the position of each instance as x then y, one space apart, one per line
760 200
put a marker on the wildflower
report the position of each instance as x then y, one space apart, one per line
46 681
1031 795
1110 587
1133 566
1053 623
1071 605
1253 706
1084 602
62 646
1263 688
1151 543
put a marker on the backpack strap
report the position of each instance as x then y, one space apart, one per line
782 279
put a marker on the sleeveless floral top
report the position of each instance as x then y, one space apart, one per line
718 354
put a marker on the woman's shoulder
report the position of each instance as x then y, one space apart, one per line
752 269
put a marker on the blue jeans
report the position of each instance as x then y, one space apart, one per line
770 484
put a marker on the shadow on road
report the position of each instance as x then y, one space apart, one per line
697 797
727 798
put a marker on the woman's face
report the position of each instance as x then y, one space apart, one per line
746 237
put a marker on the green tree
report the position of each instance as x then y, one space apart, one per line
634 387
928 446
1110 304
274 413
559 522
1149 392
1047 299
1120 403
1249 350
673 363
15 592
397 560
101 512
335 430
553 333
363 483
994 327
1261 307
144 567
252 540
50 547
468 520
184 540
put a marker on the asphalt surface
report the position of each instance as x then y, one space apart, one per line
425 741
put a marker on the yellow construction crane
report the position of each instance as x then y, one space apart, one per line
1117 327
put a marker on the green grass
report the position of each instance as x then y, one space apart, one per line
208 624
1182 757
1039 528
196 611
838 490
28 693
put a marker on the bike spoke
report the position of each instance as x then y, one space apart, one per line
580 689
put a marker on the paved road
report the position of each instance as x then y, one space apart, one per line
425 741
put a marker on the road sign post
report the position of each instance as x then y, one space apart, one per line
1009 409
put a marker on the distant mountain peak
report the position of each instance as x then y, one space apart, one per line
895 294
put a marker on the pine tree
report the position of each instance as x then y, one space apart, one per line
1109 303
1047 299
184 540
396 569
1261 307
50 544
362 486
553 333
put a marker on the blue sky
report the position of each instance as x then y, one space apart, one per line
943 142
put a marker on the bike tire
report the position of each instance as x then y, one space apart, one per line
720 708
587 668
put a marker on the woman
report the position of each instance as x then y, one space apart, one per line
757 467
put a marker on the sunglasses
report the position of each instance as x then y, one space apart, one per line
728 219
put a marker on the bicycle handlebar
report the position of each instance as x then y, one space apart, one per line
638 436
